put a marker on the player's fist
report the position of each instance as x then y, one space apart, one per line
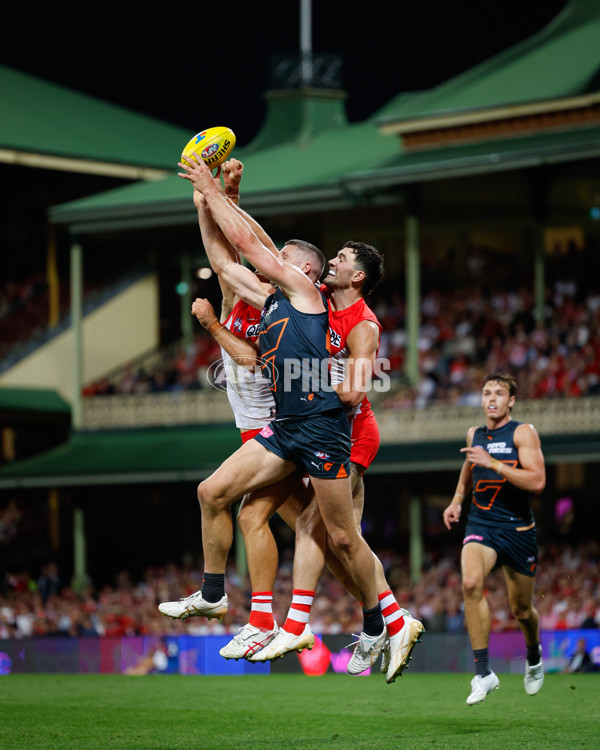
232 174
204 311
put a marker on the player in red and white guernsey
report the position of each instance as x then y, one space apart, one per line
248 390
354 340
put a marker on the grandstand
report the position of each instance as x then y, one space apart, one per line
483 194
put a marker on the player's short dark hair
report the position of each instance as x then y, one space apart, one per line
317 259
368 260
505 378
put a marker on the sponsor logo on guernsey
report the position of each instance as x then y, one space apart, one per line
272 307
335 337
252 331
499 448
321 454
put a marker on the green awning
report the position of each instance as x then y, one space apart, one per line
300 171
561 61
32 399
44 118
328 173
192 453
125 457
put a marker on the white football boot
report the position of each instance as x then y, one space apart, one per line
401 646
194 605
366 653
285 642
534 676
481 686
247 642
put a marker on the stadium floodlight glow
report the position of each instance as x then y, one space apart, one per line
204 273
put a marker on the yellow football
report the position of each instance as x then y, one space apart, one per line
213 145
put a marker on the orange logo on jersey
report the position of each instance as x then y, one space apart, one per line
342 472
269 362
327 466
311 396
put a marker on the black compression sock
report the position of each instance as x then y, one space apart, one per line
213 587
373 620
533 655
480 657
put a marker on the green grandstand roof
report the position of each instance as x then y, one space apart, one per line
192 453
287 169
332 171
562 60
45 118
29 399
322 163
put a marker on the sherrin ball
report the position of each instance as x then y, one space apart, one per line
213 145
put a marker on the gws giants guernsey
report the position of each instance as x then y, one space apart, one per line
495 500
248 391
294 348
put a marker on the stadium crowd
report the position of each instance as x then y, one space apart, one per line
567 596
464 333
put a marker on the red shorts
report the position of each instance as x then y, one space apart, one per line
365 439
249 434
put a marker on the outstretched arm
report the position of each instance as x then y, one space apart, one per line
224 261
242 351
301 291
232 176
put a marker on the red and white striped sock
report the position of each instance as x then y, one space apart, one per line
261 614
299 611
390 609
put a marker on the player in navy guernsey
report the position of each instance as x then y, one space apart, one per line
309 414
499 503
301 387
503 468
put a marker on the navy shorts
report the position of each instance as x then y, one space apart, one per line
320 446
518 549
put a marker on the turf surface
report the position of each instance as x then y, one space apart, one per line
293 711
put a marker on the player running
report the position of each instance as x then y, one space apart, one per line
504 467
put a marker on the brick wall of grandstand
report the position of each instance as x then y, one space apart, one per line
39 603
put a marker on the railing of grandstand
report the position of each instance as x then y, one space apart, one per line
436 422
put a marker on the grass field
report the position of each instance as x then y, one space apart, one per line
73 712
